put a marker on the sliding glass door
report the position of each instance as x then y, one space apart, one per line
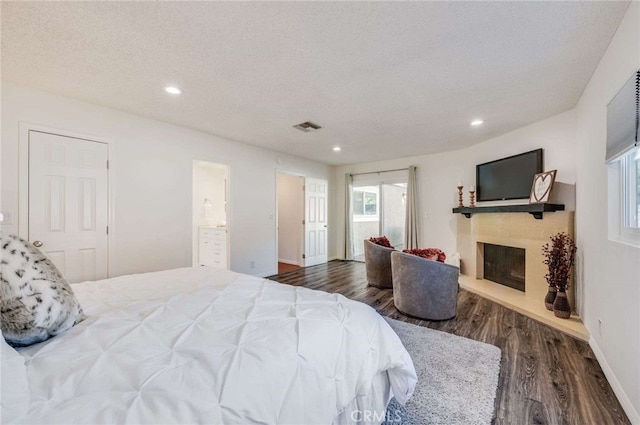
394 213
379 205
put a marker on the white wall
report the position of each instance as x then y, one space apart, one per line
290 216
438 174
151 163
609 272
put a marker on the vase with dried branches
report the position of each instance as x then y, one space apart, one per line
559 256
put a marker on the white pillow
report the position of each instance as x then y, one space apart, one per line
14 401
36 302
453 259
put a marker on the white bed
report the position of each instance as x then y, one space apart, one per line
202 345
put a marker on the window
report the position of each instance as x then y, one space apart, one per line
623 157
624 198
365 202
630 178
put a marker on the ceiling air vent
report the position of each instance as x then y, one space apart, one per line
307 126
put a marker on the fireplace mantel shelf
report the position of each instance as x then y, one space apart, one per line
534 209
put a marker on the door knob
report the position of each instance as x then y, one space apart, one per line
37 244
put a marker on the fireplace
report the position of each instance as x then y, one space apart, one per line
519 230
504 265
511 230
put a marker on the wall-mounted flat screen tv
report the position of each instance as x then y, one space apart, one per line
508 178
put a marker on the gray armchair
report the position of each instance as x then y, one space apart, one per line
377 260
424 288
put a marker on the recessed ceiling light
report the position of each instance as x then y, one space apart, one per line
477 122
173 90
337 148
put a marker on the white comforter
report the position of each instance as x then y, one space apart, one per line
212 346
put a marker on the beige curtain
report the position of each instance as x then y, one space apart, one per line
412 220
348 243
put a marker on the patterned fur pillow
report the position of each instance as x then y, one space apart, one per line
36 302
382 241
428 253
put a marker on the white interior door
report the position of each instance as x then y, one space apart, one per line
68 203
315 228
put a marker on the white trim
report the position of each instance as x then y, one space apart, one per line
227 212
624 400
23 179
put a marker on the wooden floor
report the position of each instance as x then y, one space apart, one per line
546 377
284 267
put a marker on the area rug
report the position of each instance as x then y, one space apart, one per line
457 379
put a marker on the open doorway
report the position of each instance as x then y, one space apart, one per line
210 230
290 222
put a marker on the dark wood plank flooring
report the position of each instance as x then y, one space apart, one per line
546 377
284 267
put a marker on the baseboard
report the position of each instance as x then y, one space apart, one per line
292 262
631 412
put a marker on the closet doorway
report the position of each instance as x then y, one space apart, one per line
302 220
210 230
290 226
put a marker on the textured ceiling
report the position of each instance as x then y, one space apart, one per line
384 80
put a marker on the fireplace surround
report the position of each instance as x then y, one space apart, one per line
518 230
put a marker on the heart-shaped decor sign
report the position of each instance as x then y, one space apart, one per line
542 184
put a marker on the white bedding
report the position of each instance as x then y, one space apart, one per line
212 346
